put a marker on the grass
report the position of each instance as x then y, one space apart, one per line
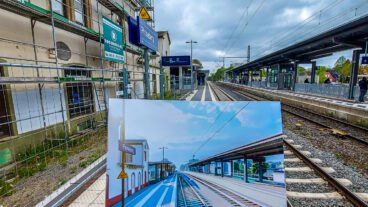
36 158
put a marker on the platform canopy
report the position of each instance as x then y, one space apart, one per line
267 146
351 35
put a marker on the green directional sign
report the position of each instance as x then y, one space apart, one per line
113 41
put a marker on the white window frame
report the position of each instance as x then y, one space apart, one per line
79 15
58 7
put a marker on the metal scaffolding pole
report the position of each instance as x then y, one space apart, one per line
58 74
147 75
162 79
101 60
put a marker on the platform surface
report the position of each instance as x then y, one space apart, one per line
319 98
204 93
94 195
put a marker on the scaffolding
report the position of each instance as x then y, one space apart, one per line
55 82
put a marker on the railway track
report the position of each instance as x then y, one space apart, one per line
220 94
231 197
188 196
336 187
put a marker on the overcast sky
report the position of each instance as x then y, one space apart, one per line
226 27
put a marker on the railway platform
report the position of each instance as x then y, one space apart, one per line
346 110
204 93
261 194
159 194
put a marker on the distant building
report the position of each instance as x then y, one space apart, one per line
332 75
185 167
154 170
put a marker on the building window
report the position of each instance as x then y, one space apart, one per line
79 11
58 6
128 158
80 96
5 118
145 156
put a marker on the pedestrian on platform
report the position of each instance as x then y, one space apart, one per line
363 85
306 80
327 81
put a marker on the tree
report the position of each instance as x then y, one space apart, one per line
219 74
301 70
321 73
342 67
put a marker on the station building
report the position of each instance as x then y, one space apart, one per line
136 166
183 78
44 96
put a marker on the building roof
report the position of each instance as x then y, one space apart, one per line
267 146
161 34
136 141
347 36
160 162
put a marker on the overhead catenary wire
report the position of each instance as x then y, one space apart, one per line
247 23
222 127
246 9
320 28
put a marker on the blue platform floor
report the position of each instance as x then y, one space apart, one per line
160 194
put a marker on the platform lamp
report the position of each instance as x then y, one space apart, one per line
191 61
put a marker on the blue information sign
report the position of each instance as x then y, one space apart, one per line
365 60
147 37
113 41
175 60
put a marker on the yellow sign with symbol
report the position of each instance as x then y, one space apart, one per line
143 13
122 175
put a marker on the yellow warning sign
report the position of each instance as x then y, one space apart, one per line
143 13
122 175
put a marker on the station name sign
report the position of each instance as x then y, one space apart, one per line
126 148
141 34
175 60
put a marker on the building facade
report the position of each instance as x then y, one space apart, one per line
55 94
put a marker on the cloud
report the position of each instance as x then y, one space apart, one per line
212 22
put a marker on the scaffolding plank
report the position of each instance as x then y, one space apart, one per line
30 10
23 80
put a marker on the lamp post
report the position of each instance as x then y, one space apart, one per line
191 61
163 160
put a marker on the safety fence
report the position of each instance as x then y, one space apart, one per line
333 90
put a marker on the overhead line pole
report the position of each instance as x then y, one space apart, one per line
163 160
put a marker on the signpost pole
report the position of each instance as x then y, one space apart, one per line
162 89
123 159
146 69
191 63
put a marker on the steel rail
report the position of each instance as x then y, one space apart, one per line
195 192
348 194
182 191
232 197
215 87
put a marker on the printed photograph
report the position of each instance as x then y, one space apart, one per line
171 153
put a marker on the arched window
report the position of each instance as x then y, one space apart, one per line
145 177
139 180
133 182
